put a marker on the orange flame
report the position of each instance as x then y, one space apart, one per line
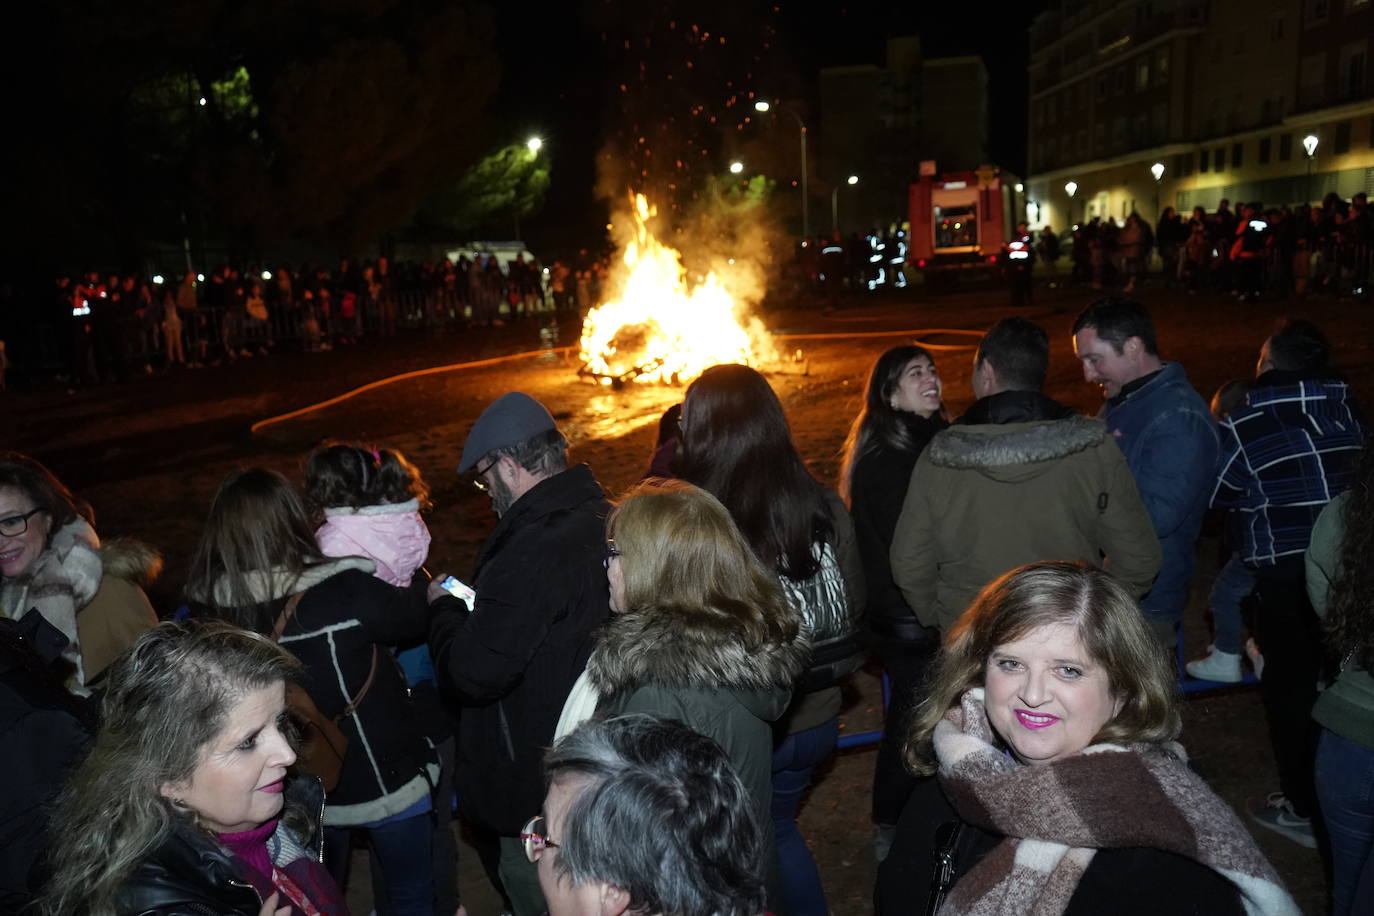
659 329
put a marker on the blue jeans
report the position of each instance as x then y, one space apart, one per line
402 849
1345 794
793 761
1234 584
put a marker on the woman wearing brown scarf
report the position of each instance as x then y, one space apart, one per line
1051 724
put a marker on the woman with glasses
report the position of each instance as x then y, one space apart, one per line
258 567
902 411
52 560
701 632
737 445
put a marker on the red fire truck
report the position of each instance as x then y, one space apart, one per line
961 220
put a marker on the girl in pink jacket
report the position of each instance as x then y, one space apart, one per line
371 499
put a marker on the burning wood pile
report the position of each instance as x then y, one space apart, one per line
661 329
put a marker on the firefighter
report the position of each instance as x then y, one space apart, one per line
1018 257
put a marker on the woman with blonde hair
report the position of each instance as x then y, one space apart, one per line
1050 722
700 631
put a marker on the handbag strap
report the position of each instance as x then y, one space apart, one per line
280 627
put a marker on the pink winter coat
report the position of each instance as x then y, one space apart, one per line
392 535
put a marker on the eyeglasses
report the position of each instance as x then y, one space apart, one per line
611 552
535 839
16 525
477 481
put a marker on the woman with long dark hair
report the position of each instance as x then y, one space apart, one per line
258 567
1340 582
902 412
737 445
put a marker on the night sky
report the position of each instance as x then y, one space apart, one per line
564 69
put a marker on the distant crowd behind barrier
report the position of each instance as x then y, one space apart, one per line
1249 251
99 328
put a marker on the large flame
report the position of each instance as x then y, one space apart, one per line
660 330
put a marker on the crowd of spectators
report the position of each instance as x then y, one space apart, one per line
106 327
1249 251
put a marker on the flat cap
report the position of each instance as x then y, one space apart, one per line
509 420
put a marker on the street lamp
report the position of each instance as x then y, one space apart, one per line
1157 170
762 106
1309 143
1070 188
534 144
835 201
736 167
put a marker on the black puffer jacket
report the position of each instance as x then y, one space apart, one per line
509 665
344 613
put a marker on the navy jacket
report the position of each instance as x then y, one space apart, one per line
1170 442
1288 452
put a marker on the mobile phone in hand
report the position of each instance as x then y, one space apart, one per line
457 589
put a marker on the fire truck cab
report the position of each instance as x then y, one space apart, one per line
961 220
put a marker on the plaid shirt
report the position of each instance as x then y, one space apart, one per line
1284 455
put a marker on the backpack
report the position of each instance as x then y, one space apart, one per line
322 743
823 606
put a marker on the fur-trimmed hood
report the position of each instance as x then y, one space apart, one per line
134 561
639 649
1014 451
269 585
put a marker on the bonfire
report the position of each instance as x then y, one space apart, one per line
661 329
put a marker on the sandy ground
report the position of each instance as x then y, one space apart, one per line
149 455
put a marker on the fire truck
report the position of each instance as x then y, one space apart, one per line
960 221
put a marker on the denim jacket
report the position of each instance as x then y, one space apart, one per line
1170 441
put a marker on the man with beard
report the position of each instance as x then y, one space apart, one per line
509 662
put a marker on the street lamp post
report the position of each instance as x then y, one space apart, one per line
762 105
534 145
736 167
835 202
1071 188
1157 170
1309 143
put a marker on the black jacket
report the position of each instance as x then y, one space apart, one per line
1124 882
877 487
344 613
44 731
510 663
193 875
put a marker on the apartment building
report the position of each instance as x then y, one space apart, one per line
1155 103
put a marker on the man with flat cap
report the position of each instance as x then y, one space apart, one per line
509 663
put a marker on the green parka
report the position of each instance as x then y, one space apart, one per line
1036 483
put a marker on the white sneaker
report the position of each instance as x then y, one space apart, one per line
1256 659
1222 667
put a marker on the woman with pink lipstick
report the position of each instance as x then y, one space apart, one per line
902 411
52 560
1050 723
187 803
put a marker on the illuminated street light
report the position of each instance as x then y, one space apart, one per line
200 278
736 167
835 201
267 274
1071 188
761 105
1020 187
1157 170
203 101
157 278
534 144
1309 143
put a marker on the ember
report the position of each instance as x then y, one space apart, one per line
659 329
